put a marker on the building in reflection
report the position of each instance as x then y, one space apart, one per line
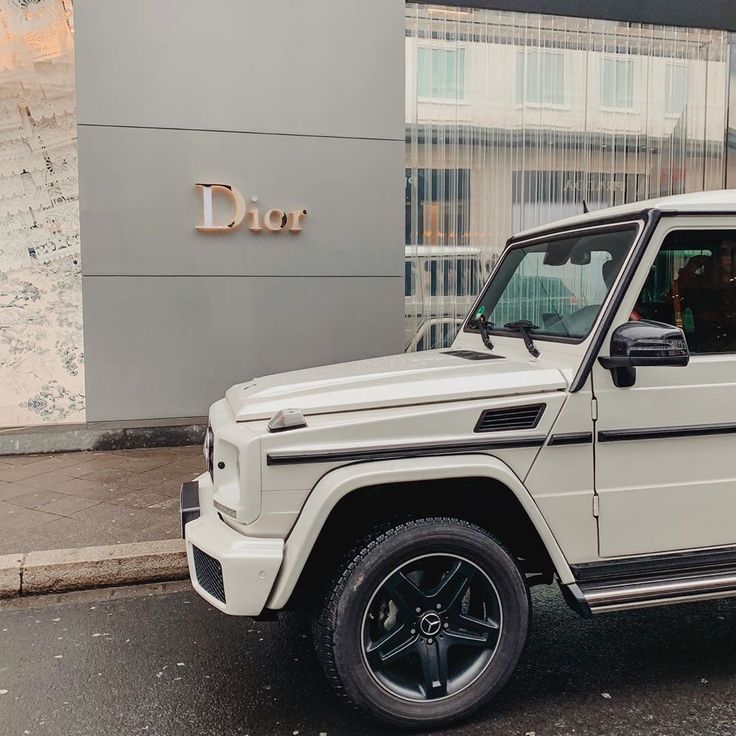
515 119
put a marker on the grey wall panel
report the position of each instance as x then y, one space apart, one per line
298 103
316 67
170 346
139 204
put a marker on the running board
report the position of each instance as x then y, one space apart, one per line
602 597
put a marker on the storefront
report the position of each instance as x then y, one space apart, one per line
503 119
515 119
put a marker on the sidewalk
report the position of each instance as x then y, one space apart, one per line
84 499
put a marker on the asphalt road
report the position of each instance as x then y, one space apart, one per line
164 663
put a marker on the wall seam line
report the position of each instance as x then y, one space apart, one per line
236 276
242 132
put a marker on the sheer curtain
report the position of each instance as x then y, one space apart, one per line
515 119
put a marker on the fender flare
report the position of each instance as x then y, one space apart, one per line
338 483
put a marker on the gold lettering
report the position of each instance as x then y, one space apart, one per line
208 207
295 220
254 221
274 220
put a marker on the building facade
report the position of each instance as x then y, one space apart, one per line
238 168
516 119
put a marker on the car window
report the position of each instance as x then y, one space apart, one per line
692 285
558 285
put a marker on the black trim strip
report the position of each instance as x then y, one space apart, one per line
663 433
424 449
561 231
571 438
646 566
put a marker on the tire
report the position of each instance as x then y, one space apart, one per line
424 622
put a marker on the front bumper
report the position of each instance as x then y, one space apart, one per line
232 572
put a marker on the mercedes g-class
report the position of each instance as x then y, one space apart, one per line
584 437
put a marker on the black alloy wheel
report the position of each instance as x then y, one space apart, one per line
424 623
432 627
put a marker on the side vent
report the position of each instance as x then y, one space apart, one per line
510 418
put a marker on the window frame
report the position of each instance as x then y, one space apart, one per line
632 220
458 49
617 59
522 66
670 66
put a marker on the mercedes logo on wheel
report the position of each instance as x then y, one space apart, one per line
430 624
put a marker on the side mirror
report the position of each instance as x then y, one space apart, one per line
644 343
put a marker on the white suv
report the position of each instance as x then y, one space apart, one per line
581 429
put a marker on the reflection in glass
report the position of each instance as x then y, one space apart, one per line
514 119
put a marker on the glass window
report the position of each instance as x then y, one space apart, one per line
675 88
558 285
441 73
437 206
617 83
409 278
540 77
439 276
532 138
693 285
438 334
467 277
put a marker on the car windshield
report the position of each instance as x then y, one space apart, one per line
558 285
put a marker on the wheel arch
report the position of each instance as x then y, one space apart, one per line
337 485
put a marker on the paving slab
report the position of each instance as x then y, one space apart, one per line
81 499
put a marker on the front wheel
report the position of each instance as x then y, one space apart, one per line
425 622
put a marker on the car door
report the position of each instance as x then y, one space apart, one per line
665 448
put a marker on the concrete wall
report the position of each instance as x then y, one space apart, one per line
298 104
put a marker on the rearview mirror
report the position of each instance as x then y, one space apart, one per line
644 343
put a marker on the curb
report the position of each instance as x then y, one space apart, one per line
82 437
64 570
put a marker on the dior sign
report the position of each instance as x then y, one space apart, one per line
273 220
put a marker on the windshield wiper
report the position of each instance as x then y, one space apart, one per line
483 325
523 327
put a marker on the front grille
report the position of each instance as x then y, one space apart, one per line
209 573
510 418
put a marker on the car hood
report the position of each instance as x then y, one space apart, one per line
396 380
